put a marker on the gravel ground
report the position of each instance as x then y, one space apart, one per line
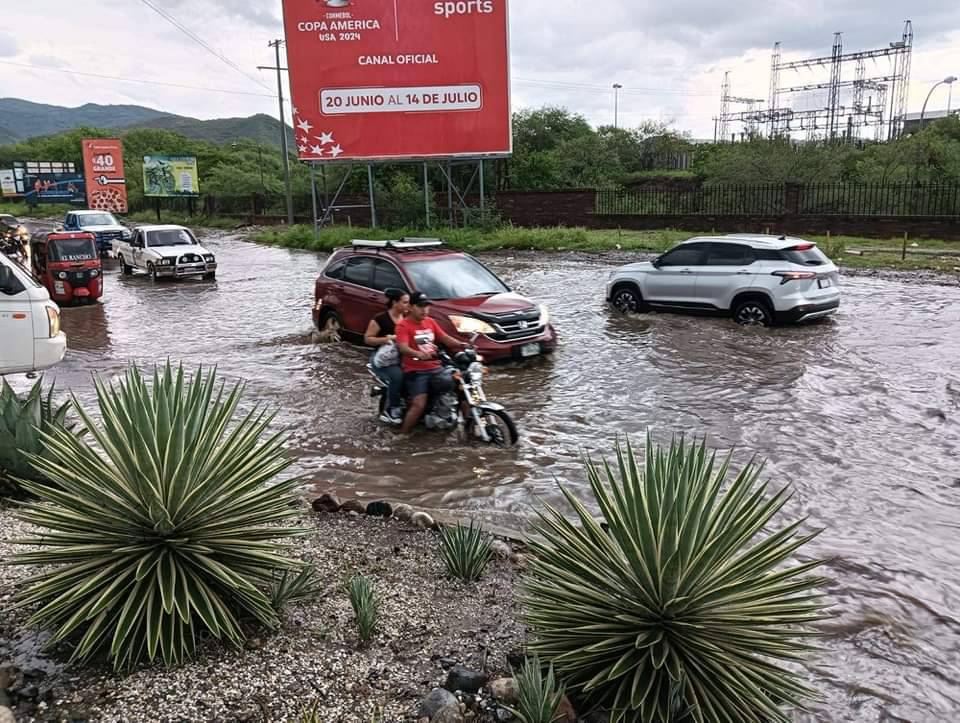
315 658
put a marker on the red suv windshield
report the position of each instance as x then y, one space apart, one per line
456 277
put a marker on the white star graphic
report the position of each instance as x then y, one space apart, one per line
303 148
304 139
295 111
316 150
336 150
325 138
304 125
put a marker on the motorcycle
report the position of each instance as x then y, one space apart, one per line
485 421
14 243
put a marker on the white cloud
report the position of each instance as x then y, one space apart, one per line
8 46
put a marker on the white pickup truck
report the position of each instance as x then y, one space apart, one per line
166 252
30 336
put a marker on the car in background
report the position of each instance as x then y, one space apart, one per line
29 323
166 252
104 226
755 279
468 298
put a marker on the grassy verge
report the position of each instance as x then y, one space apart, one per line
476 240
18 209
579 239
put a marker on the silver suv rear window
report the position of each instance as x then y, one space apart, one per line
807 256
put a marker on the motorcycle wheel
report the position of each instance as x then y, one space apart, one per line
500 427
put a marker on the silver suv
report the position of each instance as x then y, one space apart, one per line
755 279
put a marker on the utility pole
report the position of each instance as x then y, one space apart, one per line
275 44
616 105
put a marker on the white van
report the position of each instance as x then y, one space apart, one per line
30 336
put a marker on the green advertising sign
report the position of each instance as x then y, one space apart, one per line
166 176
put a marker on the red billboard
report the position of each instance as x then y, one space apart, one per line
103 170
389 79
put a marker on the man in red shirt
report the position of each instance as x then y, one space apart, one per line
417 337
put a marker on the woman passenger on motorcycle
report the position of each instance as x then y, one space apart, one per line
382 331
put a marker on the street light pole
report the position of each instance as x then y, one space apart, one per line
949 80
616 104
275 44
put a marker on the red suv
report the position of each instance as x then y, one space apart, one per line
468 297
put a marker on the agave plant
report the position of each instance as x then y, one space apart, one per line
22 424
465 550
683 602
166 528
366 607
538 696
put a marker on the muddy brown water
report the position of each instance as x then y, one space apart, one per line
861 414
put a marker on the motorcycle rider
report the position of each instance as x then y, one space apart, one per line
417 338
381 332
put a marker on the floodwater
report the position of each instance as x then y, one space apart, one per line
860 414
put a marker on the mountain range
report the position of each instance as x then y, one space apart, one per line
23 119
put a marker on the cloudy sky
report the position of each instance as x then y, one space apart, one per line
668 56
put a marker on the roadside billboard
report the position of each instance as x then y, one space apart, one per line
381 79
43 182
170 176
103 168
8 183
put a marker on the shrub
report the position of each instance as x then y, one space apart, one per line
538 696
164 528
684 602
366 607
465 551
23 422
293 586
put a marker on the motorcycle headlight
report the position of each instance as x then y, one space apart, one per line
61 274
476 370
470 325
94 273
53 319
544 315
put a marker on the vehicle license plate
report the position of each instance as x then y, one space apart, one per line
529 350
824 283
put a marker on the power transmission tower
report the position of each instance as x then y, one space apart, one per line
853 115
726 116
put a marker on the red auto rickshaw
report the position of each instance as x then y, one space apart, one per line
67 263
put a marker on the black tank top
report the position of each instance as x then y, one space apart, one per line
385 322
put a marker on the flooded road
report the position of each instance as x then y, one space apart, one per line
860 414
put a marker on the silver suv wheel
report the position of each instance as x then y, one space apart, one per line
626 300
753 313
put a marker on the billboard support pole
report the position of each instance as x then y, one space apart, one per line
158 209
482 197
313 198
450 193
426 194
373 206
328 207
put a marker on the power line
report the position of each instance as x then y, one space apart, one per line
197 39
135 80
607 89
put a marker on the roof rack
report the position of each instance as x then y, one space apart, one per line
401 244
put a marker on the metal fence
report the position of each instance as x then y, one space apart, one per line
737 200
878 199
822 199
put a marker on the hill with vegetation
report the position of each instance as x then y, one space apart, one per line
21 120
